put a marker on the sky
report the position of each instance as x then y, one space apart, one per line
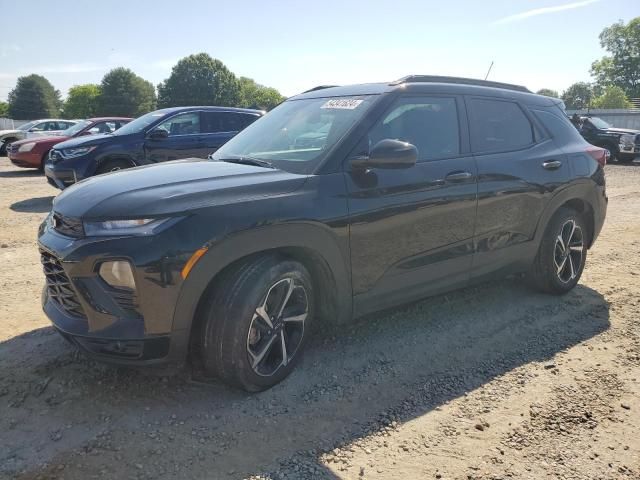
294 46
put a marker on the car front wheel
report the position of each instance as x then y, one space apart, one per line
256 322
562 253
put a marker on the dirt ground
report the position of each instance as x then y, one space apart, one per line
490 382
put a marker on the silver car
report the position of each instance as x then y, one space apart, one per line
36 128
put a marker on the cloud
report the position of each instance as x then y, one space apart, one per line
543 11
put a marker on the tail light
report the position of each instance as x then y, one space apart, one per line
600 155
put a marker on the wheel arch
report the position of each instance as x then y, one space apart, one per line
316 247
111 157
577 198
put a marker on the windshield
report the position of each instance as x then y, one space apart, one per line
27 126
71 131
297 135
137 125
599 123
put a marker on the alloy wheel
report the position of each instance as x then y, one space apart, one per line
277 327
568 251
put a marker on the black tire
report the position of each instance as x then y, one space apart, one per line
43 161
236 344
555 269
113 166
4 145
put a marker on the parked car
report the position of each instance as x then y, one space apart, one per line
622 143
36 128
417 187
167 134
32 153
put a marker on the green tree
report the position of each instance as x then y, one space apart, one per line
4 109
622 67
254 95
125 94
577 96
34 97
82 101
548 92
612 97
199 80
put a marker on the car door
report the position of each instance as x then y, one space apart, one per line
519 170
411 230
184 139
219 127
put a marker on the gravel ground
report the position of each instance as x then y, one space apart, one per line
489 382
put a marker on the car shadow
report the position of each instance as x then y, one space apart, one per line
21 173
33 205
351 382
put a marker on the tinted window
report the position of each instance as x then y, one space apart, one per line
103 127
558 126
498 126
429 123
214 122
182 124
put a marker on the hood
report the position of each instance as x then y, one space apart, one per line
622 131
172 188
87 140
5 132
42 140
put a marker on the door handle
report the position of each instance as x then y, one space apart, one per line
551 164
458 176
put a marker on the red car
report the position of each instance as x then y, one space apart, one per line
32 152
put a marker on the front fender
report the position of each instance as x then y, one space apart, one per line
318 238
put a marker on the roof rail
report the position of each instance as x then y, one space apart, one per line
319 87
459 80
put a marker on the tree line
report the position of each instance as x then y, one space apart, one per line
195 80
617 75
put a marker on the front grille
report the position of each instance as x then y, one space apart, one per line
59 287
68 226
126 299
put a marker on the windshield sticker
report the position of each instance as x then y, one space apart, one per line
343 103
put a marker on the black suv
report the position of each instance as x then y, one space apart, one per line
622 143
339 202
167 134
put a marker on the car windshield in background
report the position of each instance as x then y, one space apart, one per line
71 131
27 126
599 123
139 123
297 135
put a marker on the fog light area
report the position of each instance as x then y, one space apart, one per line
118 274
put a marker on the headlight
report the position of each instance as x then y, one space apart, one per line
139 226
27 147
627 139
77 152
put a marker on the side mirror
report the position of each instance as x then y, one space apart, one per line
388 154
158 134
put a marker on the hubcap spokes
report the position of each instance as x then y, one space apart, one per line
277 327
568 250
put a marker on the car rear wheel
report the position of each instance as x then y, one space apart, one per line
256 323
562 253
113 166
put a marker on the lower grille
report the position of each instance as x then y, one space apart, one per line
59 287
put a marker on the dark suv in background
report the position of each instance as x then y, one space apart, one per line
622 143
339 202
167 134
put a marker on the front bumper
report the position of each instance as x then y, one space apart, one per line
629 149
59 177
106 323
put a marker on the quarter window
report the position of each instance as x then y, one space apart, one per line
182 124
429 123
498 126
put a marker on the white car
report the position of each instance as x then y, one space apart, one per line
37 128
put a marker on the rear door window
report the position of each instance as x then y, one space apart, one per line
182 124
498 126
219 122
